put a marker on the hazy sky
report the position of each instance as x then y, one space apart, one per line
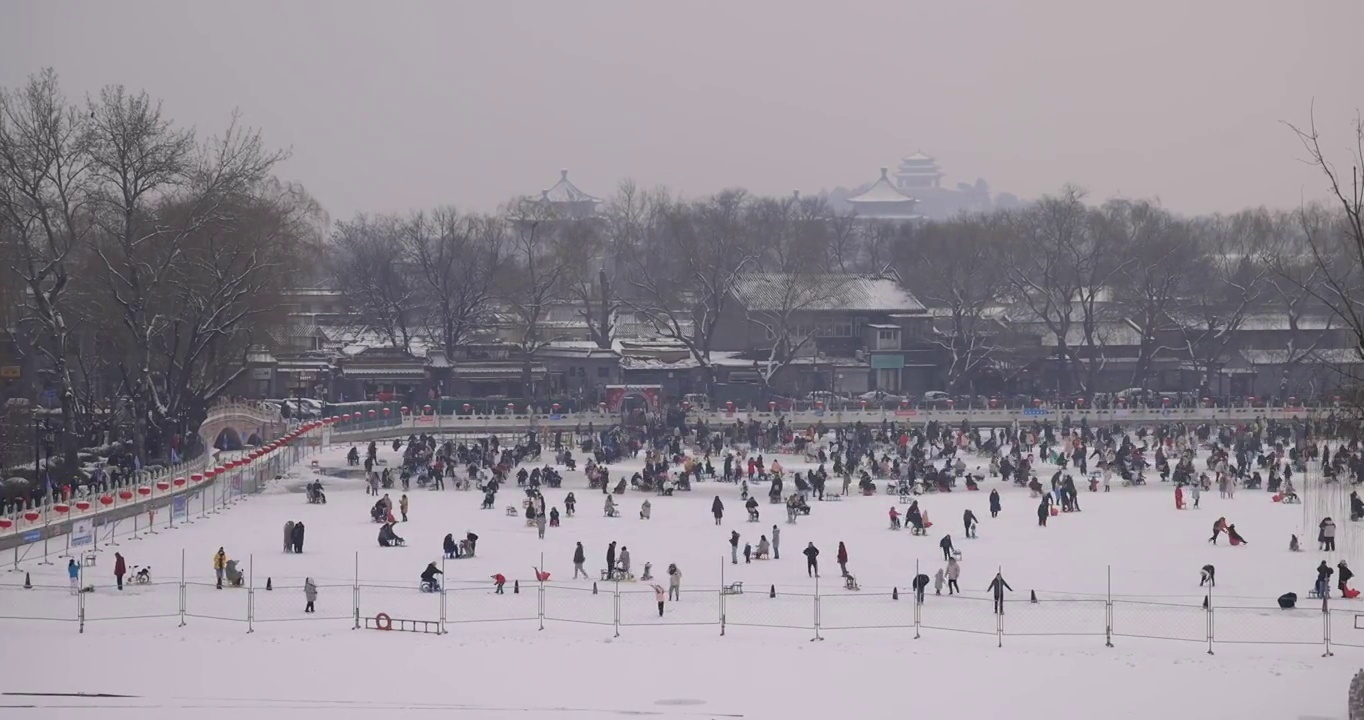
398 105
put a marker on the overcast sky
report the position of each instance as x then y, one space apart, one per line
399 105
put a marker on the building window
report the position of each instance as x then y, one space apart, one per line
843 330
885 335
603 372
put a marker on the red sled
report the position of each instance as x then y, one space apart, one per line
1234 542
1277 497
1350 593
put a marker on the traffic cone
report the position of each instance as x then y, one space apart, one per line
28 582
1033 596
268 585
772 591
594 588
895 593
516 587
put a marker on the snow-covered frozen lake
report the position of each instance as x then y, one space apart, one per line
496 661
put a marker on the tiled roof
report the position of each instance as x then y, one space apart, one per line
772 292
566 192
882 191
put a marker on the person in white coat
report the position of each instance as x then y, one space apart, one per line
309 594
674 582
660 596
953 572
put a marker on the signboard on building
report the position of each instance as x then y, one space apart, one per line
262 373
180 508
11 372
887 362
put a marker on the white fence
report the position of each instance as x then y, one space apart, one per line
1205 624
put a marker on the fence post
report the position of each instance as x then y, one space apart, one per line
250 592
918 616
184 594
1207 607
1108 611
722 596
443 588
80 606
1326 624
816 637
356 594
616 619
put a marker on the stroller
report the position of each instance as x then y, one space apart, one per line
233 574
378 513
315 494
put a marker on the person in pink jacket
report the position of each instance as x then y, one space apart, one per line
661 596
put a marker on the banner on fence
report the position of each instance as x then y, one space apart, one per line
237 484
180 508
82 533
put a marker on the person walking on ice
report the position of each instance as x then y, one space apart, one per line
842 559
995 507
73 571
402 506
1208 576
734 547
309 594
717 509
953 572
219 565
968 519
938 582
776 543
946 545
674 582
997 588
579 557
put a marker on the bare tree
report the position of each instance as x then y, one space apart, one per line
682 281
1336 248
459 258
1159 272
370 266
956 268
45 178
533 280
1231 285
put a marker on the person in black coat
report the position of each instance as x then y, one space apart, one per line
611 557
968 519
1343 575
946 544
995 507
449 546
997 588
429 576
1324 573
811 560
298 537
1043 510
920 584
1207 575
717 509
472 539
579 557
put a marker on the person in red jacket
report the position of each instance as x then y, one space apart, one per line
499 580
120 569
1179 497
843 559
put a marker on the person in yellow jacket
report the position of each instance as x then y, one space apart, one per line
219 564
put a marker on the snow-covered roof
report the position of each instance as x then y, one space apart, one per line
566 192
1325 356
882 191
773 292
918 157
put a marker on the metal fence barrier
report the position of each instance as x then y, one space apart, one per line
357 603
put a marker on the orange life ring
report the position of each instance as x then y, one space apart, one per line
383 622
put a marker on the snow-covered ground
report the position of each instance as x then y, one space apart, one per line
1053 661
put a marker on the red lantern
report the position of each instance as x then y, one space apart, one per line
196 477
61 509
6 523
511 408
819 404
1037 402
404 409
82 506
387 412
1293 401
1207 402
994 403
1079 402
179 482
162 485
864 404
729 405
373 414
426 409
1165 402
219 470
904 404
143 490
686 406
125 495
950 403
555 408
466 408
31 516
106 500
1253 400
